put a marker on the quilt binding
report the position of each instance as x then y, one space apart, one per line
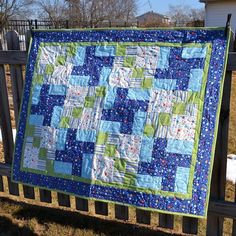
229 33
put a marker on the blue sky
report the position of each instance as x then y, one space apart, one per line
162 6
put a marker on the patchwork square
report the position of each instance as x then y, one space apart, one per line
123 116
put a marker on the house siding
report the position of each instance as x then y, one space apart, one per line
216 14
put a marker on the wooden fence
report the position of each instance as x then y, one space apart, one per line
14 60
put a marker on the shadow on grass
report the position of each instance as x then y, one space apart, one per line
76 220
8 228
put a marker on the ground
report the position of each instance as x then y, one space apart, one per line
21 217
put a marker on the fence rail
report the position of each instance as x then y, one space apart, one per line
15 60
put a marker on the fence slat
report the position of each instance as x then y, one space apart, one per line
13 43
143 217
63 199
214 222
5 118
166 221
101 208
6 128
190 225
5 169
45 195
1 184
121 212
81 204
27 39
16 73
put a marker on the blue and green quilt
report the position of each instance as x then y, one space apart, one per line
123 115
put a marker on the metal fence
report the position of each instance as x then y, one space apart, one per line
22 26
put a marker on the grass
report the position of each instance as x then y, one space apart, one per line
232 122
21 217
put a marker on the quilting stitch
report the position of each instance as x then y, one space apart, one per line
120 120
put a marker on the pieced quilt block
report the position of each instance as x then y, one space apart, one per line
127 116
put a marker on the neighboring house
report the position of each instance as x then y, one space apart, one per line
152 17
217 11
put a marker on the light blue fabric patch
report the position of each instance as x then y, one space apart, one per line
105 51
42 69
36 94
110 97
61 139
104 76
36 119
57 89
86 135
181 180
194 52
138 94
79 80
179 146
148 181
195 81
56 116
146 149
110 126
166 84
87 165
80 55
61 167
163 60
139 122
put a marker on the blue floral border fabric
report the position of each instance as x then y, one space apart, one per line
127 116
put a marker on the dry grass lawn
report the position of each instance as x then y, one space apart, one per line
232 124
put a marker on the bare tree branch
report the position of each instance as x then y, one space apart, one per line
181 14
10 9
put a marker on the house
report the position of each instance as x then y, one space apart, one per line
154 18
217 11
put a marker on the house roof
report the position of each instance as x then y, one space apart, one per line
151 13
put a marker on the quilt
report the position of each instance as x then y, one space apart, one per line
123 115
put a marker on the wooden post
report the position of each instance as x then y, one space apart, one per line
5 120
13 43
214 222
6 128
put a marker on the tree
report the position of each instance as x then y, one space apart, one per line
184 14
53 10
104 10
93 12
10 9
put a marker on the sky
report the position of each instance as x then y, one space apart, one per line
162 6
